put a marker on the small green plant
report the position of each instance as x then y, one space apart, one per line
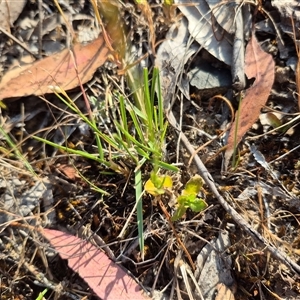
158 185
14 148
147 145
42 294
139 129
138 135
189 199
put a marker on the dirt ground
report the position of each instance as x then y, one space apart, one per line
247 240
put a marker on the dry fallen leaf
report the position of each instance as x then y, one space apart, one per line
224 293
213 268
261 66
107 279
55 70
9 12
69 171
205 29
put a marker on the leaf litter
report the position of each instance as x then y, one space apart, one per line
107 279
61 70
244 247
259 65
9 12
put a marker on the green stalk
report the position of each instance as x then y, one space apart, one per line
73 151
160 99
139 207
148 106
18 154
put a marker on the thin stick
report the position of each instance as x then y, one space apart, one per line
23 45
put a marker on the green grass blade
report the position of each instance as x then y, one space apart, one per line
136 142
98 142
167 166
124 145
91 123
72 151
148 105
123 113
42 294
93 187
137 122
153 85
17 152
159 98
139 208
155 119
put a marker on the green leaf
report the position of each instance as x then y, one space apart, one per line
185 200
168 2
193 186
151 189
188 198
197 205
155 179
42 294
164 181
180 211
157 185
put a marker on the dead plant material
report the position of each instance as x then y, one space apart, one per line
230 210
57 70
147 12
297 71
163 208
218 97
106 278
113 31
259 65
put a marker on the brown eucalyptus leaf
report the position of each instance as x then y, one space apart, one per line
261 66
107 279
55 70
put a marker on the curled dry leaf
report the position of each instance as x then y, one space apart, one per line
174 52
259 65
107 279
205 29
56 70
